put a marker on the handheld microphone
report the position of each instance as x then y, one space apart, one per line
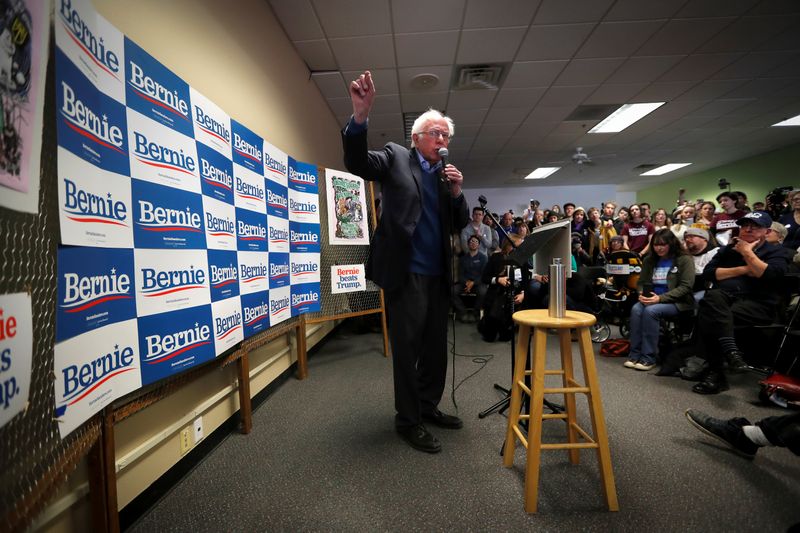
444 153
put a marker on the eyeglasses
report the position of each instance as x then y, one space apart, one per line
436 134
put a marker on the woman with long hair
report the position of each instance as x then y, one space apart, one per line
706 213
661 219
792 221
665 289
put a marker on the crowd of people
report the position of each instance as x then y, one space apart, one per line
722 263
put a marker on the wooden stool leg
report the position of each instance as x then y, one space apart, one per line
533 460
520 356
568 380
598 420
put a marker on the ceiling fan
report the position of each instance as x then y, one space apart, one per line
581 158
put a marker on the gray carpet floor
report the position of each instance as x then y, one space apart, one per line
323 456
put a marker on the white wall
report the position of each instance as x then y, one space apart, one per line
501 200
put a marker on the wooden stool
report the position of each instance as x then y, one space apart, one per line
539 320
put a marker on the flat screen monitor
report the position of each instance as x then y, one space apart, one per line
545 243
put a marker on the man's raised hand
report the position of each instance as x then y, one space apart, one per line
362 94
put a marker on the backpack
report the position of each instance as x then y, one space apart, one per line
615 347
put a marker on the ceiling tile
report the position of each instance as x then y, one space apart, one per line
348 18
617 39
355 53
496 45
409 16
615 93
715 8
720 107
316 54
499 13
559 41
533 73
421 102
385 79
466 117
508 116
471 99
773 7
386 103
754 64
378 138
638 10
341 106
298 19
788 40
710 89
385 122
562 11
588 71
747 33
516 98
699 67
331 84
420 49
761 88
643 69
682 36
663 91
566 95
548 114
406 75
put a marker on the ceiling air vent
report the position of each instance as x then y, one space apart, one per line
408 122
588 113
476 77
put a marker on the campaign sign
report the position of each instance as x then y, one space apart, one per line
169 280
253 272
278 270
255 313
305 269
212 126
303 238
220 222
280 307
164 217
92 370
171 343
276 165
305 298
278 234
277 199
90 124
92 44
95 288
228 327
94 205
303 207
303 177
251 231
347 278
216 174
248 148
223 274
16 348
155 91
162 156
249 190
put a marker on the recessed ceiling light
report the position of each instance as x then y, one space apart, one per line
624 116
541 173
794 121
663 169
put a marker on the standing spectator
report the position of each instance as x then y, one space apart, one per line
661 220
791 221
646 211
623 216
529 215
665 289
479 229
507 223
638 232
741 201
569 209
685 219
556 209
705 213
489 221
552 216
723 224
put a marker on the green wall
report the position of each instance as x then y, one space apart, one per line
756 176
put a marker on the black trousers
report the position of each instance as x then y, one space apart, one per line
718 313
416 316
782 431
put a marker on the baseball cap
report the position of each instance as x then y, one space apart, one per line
697 232
756 217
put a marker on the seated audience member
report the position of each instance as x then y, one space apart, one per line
747 276
745 438
685 219
778 233
487 219
791 221
598 236
705 213
665 289
697 243
470 270
552 216
477 228
505 289
520 227
637 232
579 255
723 224
759 206
580 225
616 243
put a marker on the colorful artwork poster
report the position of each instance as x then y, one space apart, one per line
24 32
16 348
347 208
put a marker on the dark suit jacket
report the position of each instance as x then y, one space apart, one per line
398 170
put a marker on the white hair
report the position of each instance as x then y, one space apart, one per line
430 114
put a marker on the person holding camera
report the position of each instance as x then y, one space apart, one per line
665 289
506 291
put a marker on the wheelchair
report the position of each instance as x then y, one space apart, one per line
617 294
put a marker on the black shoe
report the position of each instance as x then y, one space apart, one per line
420 438
438 418
714 382
736 363
727 431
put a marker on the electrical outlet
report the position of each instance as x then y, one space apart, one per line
186 442
198 429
